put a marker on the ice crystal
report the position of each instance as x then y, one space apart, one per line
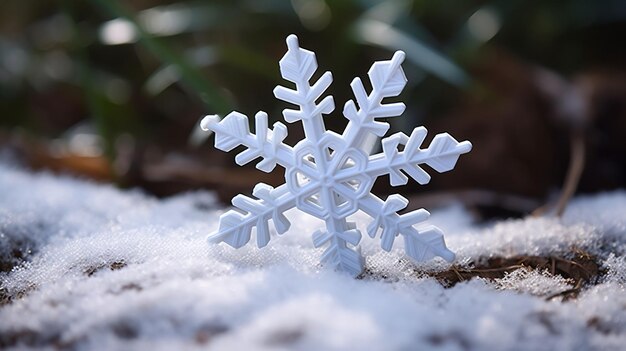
330 175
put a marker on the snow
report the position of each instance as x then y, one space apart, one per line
112 269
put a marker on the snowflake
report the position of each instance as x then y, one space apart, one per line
330 176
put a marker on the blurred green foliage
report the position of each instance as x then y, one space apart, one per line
152 68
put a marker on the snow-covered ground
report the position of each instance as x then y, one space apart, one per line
113 270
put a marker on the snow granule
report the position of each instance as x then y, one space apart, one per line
533 282
105 269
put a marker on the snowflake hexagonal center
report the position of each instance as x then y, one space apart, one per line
328 184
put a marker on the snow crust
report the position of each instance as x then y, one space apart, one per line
109 269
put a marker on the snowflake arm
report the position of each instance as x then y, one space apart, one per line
442 155
236 226
298 66
420 245
388 80
338 234
233 131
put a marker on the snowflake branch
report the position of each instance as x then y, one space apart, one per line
338 254
442 154
236 226
388 80
420 245
298 66
233 131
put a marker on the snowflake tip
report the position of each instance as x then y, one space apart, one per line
464 147
208 120
448 255
398 56
292 42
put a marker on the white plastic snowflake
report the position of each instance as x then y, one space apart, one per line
329 175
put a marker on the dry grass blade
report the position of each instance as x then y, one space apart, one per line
582 268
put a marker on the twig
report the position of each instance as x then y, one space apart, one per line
574 170
564 293
572 178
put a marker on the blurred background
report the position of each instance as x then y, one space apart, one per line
113 90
